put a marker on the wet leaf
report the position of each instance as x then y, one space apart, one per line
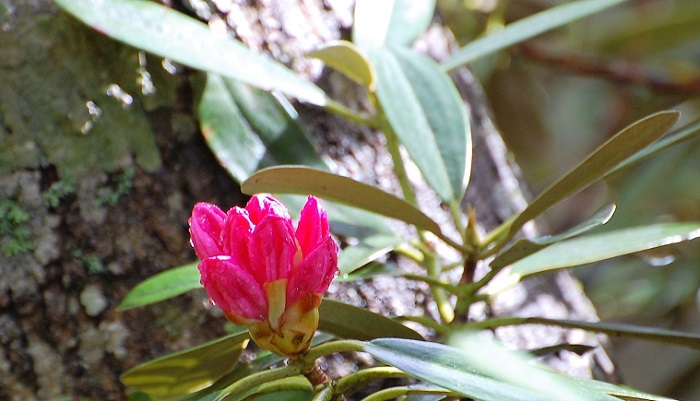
348 321
390 22
426 112
347 59
188 371
527 28
527 246
594 248
302 180
162 286
168 33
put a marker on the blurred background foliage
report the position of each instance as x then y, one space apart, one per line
556 98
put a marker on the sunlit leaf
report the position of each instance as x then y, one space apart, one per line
447 367
527 246
390 22
348 321
371 270
347 59
527 28
162 286
370 248
612 329
187 371
617 149
426 112
168 33
594 248
302 180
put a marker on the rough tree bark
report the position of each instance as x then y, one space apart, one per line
59 331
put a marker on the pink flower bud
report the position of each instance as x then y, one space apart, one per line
262 272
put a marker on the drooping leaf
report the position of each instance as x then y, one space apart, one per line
168 33
390 22
348 321
594 248
162 286
617 149
426 112
347 59
528 246
302 180
527 28
188 371
612 329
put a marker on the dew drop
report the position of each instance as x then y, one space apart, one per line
115 91
169 66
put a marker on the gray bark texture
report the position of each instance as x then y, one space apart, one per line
60 334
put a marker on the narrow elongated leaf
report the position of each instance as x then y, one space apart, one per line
188 371
594 248
390 22
427 114
527 28
525 247
348 321
446 366
685 133
369 249
613 329
302 180
617 149
162 286
347 59
168 33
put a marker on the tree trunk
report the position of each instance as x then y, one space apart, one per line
125 216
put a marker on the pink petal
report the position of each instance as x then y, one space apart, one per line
233 289
206 224
260 206
313 226
315 273
272 247
236 236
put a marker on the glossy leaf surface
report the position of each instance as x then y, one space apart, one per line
346 58
162 286
187 371
168 33
617 149
594 248
348 321
302 180
426 112
527 246
527 28
390 22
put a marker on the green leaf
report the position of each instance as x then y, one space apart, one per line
612 329
168 33
594 248
235 116
426 112
347 59
348 321
371 270
676 137
162 286
617 149
447 367
390 22
525 247
367 250
303 180
187 371
527 28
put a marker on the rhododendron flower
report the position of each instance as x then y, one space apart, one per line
263 273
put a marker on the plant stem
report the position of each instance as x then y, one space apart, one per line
257 379
331 348
363 376
394 392
427 322
432 281
350 114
